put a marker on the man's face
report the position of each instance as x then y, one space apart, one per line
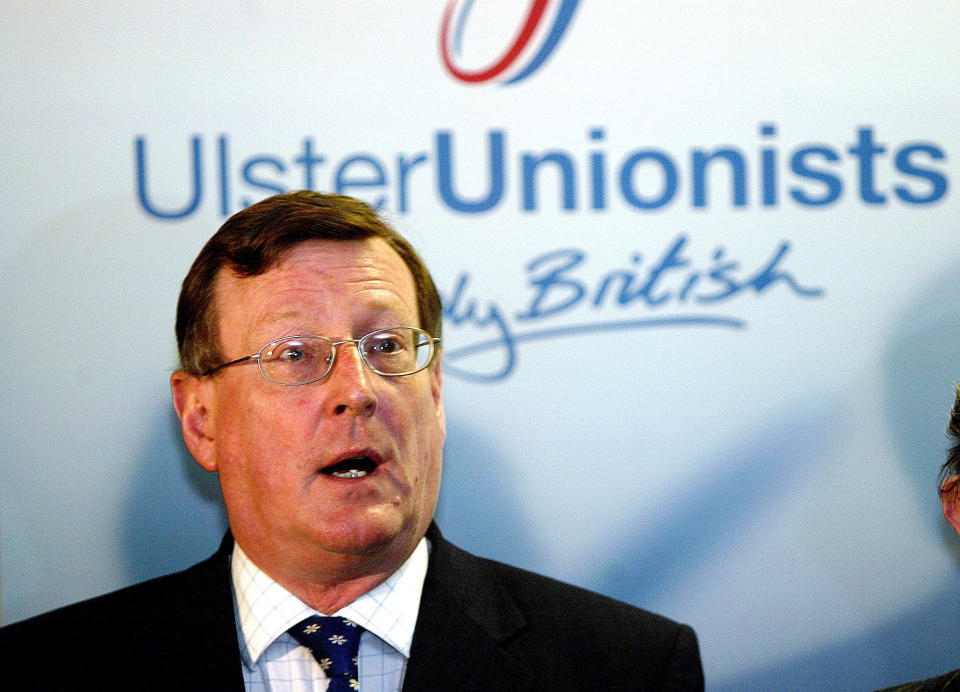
274 445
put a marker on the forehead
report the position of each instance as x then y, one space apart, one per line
320 282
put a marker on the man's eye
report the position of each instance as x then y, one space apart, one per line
388 346
292 354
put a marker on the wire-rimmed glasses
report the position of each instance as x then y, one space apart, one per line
295 360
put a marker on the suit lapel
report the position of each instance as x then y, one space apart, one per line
465 618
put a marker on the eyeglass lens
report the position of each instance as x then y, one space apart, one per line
298 360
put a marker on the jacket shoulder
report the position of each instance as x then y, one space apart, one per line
146 636
548 602
550 626
144 602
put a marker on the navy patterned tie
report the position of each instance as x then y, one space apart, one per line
334 643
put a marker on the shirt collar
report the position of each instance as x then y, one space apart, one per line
265 610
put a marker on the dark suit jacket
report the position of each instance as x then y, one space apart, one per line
482 626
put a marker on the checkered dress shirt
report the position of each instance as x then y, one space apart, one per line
273 661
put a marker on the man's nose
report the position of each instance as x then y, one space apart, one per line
350 383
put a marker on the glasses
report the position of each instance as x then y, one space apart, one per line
296 360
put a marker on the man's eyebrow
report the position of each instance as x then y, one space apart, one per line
266 326
385 313
285 315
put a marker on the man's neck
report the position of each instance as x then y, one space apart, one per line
329 581
328 599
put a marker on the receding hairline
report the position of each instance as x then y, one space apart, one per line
229 268
256 238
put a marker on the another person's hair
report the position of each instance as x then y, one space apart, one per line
951 467
256 239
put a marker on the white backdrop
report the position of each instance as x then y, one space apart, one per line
700 269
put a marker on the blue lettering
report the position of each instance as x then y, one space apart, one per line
458 314
765 277
375 176
598 174
865 150
308 161
719 272
249 175
625 278
557 290
904 164
445 170
404 166
669 179
737 168
529 166
768 167
223 152
572 290
771 274
672 259
798 164
813 175
140 146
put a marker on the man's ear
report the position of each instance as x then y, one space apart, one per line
436 390
193 401
950 497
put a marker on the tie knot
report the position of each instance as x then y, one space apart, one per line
334 642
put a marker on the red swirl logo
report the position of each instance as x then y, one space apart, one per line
508 68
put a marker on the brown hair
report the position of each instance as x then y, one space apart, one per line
951 467
254 240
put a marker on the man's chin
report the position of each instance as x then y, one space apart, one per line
368 532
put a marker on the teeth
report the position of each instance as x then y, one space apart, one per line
352 473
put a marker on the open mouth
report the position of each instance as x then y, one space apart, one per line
354 467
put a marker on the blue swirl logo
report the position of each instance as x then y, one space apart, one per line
508 68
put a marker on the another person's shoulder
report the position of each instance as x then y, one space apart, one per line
949 682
